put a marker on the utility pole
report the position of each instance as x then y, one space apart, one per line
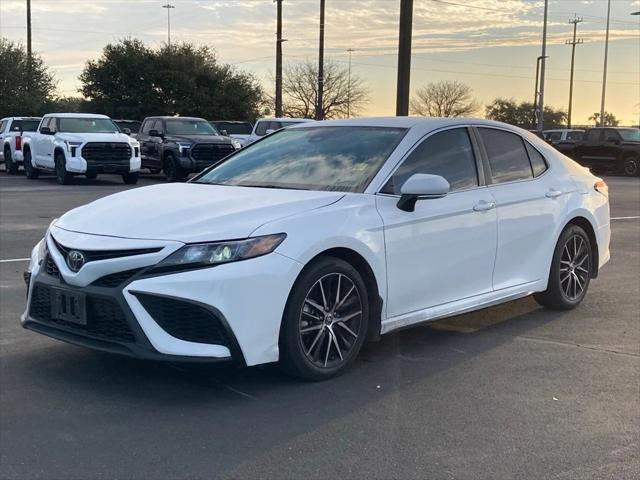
279 41
320 106
404 58
350 51
606 55
168 6
536 93
543 69
575 21
29 51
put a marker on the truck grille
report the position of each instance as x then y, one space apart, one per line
206 154
105 153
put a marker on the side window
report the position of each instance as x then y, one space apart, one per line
2 125
53 124
538 163
610 133
575 136
159 126
508 157
45 123
146 128
448 154
555 137
592 136
261 128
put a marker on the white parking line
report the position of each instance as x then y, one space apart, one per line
625 218
11 260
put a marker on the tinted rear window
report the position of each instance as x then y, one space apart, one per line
234 128
508 157
25 125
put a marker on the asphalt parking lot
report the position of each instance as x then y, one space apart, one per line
514 391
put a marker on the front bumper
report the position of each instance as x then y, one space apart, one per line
223 313
78 164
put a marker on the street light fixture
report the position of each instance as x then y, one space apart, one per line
168 6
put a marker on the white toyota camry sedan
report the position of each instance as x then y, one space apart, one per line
304 245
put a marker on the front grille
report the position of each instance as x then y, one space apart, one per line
106 153
51 268
93 255
105 318
206 154
115 279
184 320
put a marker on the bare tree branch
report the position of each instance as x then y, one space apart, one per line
444 99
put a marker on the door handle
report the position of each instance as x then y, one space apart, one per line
483 206
553 193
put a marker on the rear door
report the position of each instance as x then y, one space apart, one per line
529 198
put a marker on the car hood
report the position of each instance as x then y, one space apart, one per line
190 212
198 139
94 137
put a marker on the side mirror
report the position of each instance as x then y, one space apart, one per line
46 131
269 131
156 133
224 133
126 131
421 186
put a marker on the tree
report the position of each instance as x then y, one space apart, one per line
68 104
23 90
521 114
610 119
444 99
131 80
300 91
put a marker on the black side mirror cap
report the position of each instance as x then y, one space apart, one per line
126 131
156 133
46 131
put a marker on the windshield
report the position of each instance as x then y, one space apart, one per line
189 127
324 158
25 125
87 125
234 128
130 124
630 134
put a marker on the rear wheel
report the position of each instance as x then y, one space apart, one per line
172 170
631 166
571 270
130 178
10 165
325 321
62 176
30 171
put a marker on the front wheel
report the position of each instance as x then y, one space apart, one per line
631 166
62 176
10 165
30 171
172 170
130 178
325 321
571 270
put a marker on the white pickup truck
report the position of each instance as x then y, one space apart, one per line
11 131
72 144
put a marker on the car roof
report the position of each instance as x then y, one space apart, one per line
20 118
284 120
169 117
228 121
426 123
75 115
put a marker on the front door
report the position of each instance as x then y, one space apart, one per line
444 250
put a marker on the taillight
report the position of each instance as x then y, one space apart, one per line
601 186
18 143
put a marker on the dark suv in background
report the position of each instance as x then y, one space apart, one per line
181 145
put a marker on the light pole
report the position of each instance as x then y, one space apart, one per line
168 6
404 58
575 21
319 105
350 50
279 41
606 58
543 69
536 92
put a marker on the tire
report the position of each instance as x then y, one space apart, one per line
172 171
571 271
30 171
91 175
62 176
631 166
9 164
130 178
341 331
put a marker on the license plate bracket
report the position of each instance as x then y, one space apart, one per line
68 306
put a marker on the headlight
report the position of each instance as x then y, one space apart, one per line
42 245
236 144
201 255
184 148
72 147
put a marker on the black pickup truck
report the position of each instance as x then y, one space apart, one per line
608 148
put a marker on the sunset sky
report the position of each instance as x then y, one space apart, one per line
491 45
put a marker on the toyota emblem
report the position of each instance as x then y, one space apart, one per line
75 260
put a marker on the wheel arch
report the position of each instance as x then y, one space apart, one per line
586 224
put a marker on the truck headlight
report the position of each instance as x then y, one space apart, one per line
201 255
184 148
236 144
72 147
